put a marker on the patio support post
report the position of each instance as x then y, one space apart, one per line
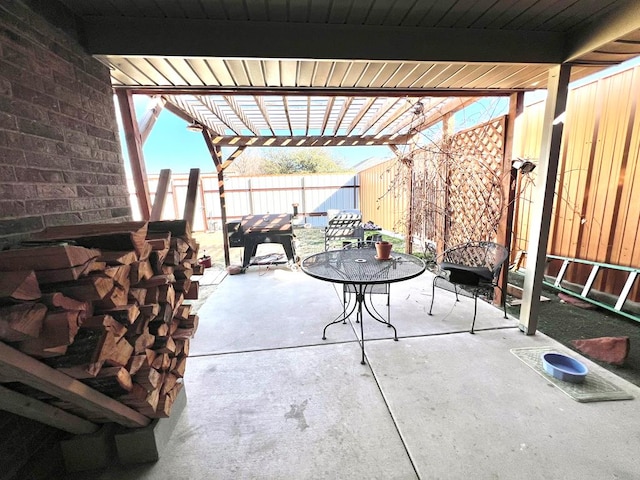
509 177
540 222
216 156
134 147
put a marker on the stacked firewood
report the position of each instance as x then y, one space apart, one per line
105 304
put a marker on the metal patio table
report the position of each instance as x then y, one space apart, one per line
359 268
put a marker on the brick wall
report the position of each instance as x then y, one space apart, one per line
60 163
60 158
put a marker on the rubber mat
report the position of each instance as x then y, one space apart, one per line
594 388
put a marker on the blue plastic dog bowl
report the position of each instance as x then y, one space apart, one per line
564 367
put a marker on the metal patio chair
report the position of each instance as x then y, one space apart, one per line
346 226
381 289
471 269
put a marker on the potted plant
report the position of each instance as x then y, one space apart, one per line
383 250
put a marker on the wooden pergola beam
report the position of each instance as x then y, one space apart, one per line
151 116
134 147
311 141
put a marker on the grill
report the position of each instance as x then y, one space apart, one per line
252 230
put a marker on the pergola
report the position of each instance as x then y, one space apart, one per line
328 72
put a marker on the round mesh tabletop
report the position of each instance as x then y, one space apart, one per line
360 266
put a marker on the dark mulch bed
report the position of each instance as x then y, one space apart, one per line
565 322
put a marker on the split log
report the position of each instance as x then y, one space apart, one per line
141 400
58 301
167 270
43 258
182 313
152 296
148 377
178 228
164 345
143 342
150 311
167 294
165 402
193 293
86 289
182 347
59 329
106 322
84 354
137 295
182 285
140 271
156 281
112 381
117 352
117 297
168 383
173 257
115 257
158 328
182 272
135 363
180 366
21 321
108 236
125 314
180 244
120 275
18 286
162 362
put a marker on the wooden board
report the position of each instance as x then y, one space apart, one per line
50 257
29 407
108 236
27 370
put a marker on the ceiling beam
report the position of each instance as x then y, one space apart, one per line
243 39
322 92
307 141
617 23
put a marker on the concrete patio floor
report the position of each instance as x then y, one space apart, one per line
269 399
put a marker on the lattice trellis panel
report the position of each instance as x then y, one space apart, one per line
457 187
475 197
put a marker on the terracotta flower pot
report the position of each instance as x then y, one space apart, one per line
383 250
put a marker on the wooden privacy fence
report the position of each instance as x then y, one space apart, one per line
313 194
596 214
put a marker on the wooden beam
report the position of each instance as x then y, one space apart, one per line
216 156
134 147
540 218
160 36
161 195
28 370
509 178
150 117
302 141
322 92
435 115
28 407
192 195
